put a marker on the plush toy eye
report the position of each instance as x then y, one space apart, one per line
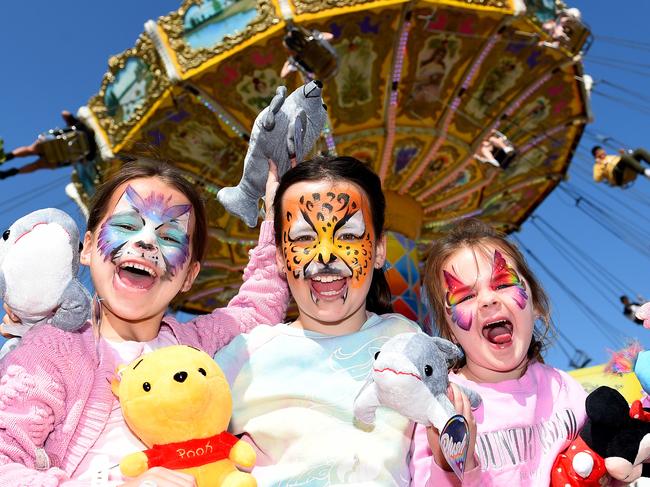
146 386
428 370
5 235
202 371
376 355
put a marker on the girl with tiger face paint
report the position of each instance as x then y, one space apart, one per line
329 224
329 252
298 380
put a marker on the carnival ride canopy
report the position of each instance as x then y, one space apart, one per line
419 85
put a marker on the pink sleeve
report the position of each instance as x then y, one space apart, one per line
425 472
30 405
262 299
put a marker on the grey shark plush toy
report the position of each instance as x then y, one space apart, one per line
410 376
39 261
286 129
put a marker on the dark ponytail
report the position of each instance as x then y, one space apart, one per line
379 299
343 168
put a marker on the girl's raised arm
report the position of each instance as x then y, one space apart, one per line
263 296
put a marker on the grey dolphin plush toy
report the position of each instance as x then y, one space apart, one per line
286 129
39 261
410 376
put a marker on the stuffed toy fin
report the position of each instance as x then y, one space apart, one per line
410 376
39 262
287 129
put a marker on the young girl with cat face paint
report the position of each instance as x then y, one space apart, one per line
59 421
485 298
296 382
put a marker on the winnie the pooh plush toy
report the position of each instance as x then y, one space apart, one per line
177 401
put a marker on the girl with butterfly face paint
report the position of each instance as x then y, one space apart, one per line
146 238
485 299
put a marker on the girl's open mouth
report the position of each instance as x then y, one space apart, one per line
135 275
328 287
498 332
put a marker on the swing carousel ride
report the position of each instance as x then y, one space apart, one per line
412 88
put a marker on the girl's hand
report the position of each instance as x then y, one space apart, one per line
462 406
9 319
161 477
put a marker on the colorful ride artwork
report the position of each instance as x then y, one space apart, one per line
414 88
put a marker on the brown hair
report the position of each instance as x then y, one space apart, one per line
343 168
474 233
151 168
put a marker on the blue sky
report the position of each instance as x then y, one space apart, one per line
55 54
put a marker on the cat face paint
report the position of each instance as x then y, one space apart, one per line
506 278
327 236
147 233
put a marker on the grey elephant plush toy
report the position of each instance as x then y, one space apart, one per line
39 262
287 129
410 376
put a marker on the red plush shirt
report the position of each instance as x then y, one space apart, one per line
191 453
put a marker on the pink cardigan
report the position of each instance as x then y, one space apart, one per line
55 395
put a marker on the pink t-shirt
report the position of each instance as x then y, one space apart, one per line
100 466
522 426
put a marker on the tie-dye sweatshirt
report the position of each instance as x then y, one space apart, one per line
293 392
522 426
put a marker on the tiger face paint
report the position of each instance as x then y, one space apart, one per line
328 238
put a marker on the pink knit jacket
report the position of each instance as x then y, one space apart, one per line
55 395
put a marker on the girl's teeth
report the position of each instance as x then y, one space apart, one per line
138 266
326 278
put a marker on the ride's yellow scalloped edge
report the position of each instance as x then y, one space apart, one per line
508 7
336 11
226 54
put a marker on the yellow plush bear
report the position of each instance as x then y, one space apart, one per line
177 401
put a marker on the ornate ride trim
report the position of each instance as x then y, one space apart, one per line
509 110
302 7
469 76
144 50
188 57
165 52
399 53
508 6
467 189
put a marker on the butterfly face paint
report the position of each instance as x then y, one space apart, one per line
461 299
147 233
458 293
506 278
328 233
